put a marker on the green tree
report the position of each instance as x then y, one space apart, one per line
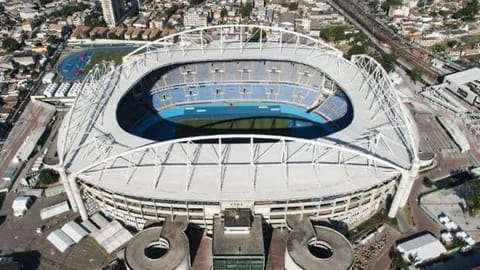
246 10
256 33
388 61
472 197
47 177
52 39
439 47
416 74
10 44
386 5
397 261
333 33
468 12
44 2
196 2
293 6
452 43
94 22
356 49
427 182
224 12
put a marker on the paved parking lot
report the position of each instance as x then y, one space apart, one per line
19 237
434 139
448 202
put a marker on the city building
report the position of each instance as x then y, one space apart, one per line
238 241
421 248
194 18
113 11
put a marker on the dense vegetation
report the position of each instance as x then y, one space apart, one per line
10 44
472 196
47 177
468 12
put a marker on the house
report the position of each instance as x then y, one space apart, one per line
117 33
81 32
28 13
142 22
27 25
99 32
56 28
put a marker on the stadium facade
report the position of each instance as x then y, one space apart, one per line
365 151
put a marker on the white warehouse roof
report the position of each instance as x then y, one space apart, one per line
422 248
60 240
463 77
112 236
54 210
74 231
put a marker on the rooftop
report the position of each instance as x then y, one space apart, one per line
304 235
465 76
423 247
230 243
211 180
147 250
237 218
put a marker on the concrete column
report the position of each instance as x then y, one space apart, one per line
77 197
399 194
66 186
404 188
413 175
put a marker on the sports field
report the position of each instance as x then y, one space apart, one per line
262 125
224 118
255 123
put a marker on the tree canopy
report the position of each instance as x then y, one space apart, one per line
224 12
416 74
386 5
468 12
47 177
246 10
256 33
333 33
387 61
196 2
10 44
356 49
472 197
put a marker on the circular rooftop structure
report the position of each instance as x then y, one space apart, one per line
161 247
316 247
250 114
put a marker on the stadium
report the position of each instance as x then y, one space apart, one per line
237 116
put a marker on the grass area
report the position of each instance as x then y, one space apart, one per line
115 55
239 124
267 125
376 220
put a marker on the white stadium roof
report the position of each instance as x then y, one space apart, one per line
380 143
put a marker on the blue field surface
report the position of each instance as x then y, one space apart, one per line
72 67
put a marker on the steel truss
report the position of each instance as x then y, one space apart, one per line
80 133
384 97
97 87
161 156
